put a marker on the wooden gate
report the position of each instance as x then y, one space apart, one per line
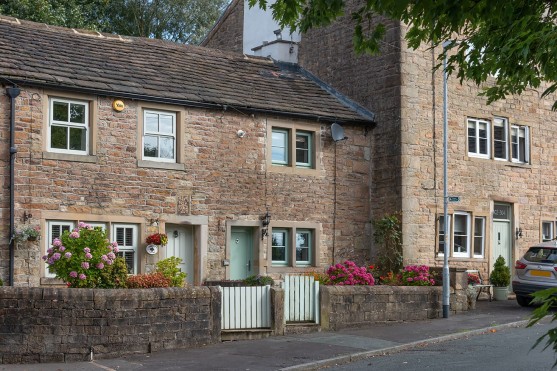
245 307
301 299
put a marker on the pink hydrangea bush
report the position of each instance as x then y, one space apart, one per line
348 274
84 257
416 275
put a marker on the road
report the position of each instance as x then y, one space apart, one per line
507 349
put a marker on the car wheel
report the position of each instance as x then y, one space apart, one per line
523 301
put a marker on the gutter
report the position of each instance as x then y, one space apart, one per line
13 93
365 120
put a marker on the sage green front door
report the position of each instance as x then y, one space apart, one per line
241 253
502 236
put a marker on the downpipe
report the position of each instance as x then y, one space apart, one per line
13 93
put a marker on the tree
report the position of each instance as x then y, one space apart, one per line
514 41
185 21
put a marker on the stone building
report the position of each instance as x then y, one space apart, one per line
501 156
231 156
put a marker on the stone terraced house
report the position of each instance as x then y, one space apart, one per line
501 156
231 155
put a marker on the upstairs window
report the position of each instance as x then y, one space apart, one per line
304 151
293 148
478 138
68 126
519 144
159 136
280 147
500 139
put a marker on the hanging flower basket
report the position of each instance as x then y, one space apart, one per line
28 233
157 239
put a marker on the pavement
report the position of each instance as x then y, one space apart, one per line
315 350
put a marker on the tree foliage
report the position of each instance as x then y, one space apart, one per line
185 21
512 41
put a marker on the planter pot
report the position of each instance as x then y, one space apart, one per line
501 293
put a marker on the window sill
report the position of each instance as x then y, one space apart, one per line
293 170
288 269
161 165
69 157
50 281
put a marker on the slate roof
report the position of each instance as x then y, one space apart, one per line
147 69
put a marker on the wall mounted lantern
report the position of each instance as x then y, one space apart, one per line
265 222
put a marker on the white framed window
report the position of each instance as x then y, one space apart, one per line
461 234
55 229
478 138
304 243
479 236
126 235
279 147
441 233
304 149
68 126
548 230
520 147
159 136
279 246
500 139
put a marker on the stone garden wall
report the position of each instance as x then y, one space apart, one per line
353 306
65 325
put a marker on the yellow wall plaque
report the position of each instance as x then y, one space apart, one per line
118 105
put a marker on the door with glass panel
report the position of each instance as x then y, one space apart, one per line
502 238
242 262
180 244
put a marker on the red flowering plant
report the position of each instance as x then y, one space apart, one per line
157 239
348 273
390 279
416 275
473 279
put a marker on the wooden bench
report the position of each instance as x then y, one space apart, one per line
483 286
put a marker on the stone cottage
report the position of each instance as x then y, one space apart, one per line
501 156
230 155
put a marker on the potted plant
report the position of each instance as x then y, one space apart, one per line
500 278
28 233
157 239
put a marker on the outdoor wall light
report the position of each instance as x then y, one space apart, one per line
26 216
518 233
265 222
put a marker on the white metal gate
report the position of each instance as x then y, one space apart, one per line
245 307
301 299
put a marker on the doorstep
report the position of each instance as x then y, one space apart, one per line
248 334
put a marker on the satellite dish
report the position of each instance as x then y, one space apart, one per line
337 132
152 249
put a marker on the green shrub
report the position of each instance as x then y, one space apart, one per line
501 274
1 282
169 268
257 280
114 276
146 281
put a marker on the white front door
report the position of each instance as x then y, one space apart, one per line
180 245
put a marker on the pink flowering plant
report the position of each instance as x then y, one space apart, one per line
348 274
416 275
84 257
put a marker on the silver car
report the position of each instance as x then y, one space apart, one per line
536 270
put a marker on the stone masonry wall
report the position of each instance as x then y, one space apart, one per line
225 178
68 325
353 306
372 81
229 31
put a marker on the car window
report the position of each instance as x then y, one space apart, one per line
541 255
